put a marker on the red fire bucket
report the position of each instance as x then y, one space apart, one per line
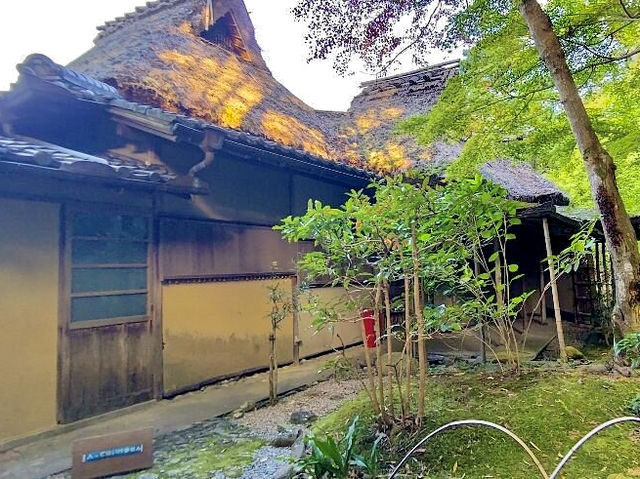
369 327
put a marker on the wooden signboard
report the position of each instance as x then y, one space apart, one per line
112 454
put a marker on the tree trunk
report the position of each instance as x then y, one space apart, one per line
390 365
273 370
408 342
417 309
376 328
619 233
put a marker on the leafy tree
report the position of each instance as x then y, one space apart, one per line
430 238
551 56
281 308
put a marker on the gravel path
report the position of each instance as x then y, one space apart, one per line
321 399
224 448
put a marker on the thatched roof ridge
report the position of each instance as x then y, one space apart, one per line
523 182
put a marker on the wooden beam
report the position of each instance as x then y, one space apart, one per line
554 291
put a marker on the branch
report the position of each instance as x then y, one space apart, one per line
411 44
626 11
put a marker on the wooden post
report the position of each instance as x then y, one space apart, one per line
296 320
543 296
554 291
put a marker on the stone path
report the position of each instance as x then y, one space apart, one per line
190 417
225 448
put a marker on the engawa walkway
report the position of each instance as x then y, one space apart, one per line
52 454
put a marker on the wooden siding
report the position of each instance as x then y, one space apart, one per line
204 248
109 368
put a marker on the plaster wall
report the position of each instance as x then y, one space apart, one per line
315 342
218 329
29 255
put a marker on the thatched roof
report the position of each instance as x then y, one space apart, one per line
37 157
156 62
157 57
369 127
523 183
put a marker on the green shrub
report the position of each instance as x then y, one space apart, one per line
634 406
333 459
629 348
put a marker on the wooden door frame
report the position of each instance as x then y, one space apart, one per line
153 316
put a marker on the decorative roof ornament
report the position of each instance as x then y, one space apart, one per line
208 15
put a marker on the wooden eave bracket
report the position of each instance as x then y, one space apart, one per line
140 121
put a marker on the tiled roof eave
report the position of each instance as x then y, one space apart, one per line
129 183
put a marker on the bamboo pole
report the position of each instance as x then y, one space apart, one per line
554 292
607 279
376 327
598 272
273 369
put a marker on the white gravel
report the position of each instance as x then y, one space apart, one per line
321 399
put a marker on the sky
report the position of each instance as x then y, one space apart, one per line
64 29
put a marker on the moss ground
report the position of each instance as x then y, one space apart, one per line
550 410
215 449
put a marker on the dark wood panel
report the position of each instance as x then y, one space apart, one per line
201 248
110 368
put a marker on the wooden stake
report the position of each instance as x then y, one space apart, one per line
543 296
296 320
554 291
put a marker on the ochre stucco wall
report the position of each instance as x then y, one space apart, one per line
314 342
29 234
213 330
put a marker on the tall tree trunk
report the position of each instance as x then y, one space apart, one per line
417 309
390 365
619 233
408 342
379 371
273 369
